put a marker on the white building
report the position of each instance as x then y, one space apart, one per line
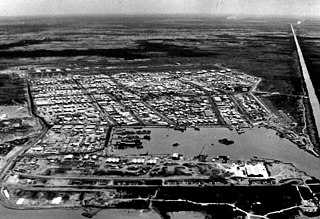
257 170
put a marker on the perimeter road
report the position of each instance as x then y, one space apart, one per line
315 106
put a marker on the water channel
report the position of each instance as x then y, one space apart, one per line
315 105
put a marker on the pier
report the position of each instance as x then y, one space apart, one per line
315 106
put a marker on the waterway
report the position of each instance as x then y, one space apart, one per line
260 142
315 105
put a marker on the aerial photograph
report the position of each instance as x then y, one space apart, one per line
160 109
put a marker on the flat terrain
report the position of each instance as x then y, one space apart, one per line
140 106
262 46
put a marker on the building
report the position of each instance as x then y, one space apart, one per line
257 170
56 200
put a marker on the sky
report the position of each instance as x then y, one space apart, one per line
236 7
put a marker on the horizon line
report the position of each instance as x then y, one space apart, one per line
240 15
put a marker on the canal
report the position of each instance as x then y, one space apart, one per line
315 105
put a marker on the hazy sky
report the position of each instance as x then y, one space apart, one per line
55 7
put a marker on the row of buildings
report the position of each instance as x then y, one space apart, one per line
77 125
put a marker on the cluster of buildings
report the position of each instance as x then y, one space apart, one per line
29 198
80 165
71 139
229 111
117 112
225 81
166 98
149 84
77 124
121 106
187 110
107 95
248 169
146 115
61 100
255 110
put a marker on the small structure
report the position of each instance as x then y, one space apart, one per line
4 116
175 156
20 201
137 161
257 170
112 160
6 193
152 161
56 127
68 157
56 200
175 144
225 141
217 99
